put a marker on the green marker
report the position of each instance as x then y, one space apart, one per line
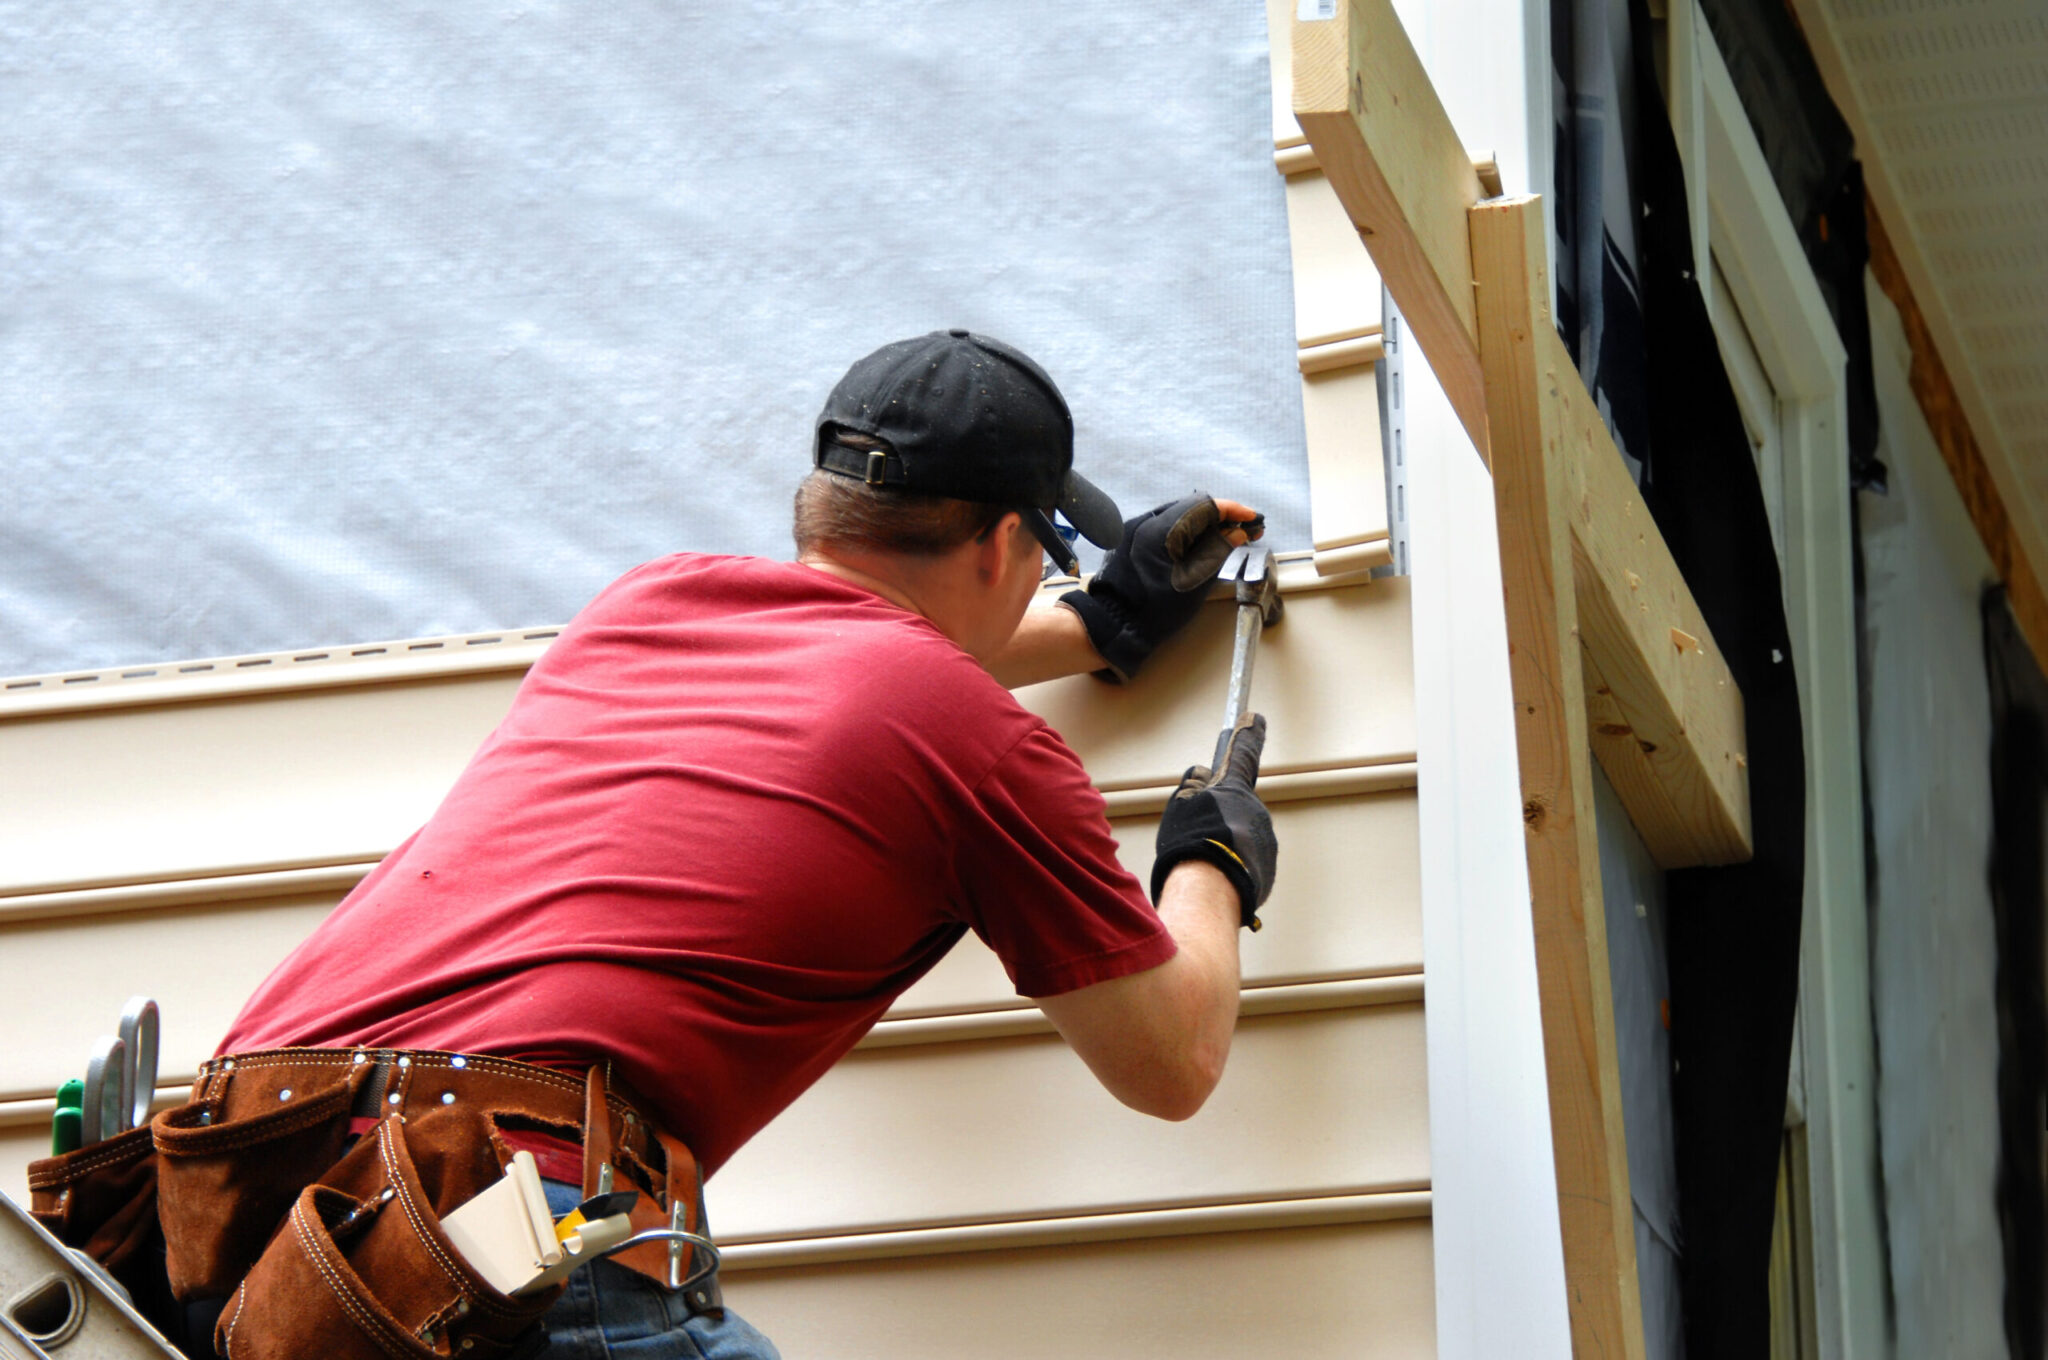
67 1130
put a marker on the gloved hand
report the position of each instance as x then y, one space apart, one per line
1217 818
1152 583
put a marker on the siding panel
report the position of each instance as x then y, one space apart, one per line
318 776
201 961
1320 1103
946 1132
1362 1292
1322 921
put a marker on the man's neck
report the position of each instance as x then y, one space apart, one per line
895 592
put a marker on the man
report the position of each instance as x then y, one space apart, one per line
741 805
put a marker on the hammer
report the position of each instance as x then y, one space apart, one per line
1250 568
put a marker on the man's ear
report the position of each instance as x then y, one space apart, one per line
998 554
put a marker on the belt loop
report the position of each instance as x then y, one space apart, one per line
397 1085
220 1075
383 1090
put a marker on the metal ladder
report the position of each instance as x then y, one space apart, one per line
57 1305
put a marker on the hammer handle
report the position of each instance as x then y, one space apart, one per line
1250 620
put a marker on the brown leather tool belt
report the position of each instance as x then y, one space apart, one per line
269 1194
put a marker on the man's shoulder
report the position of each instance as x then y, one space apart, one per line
684 587
702 571
850 638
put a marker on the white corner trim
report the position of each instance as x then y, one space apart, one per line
1499 1248
1756 246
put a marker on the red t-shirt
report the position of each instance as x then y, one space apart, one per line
734 811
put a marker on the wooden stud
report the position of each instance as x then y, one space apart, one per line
1386 144
1533 499
1594 600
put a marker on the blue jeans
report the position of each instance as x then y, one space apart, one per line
610 1311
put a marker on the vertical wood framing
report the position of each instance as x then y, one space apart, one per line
1672 738
1599 618
1533 499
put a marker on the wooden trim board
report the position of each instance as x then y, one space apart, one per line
1670 734
1537 511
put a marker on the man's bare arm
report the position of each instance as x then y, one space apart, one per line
1157 1040
1050 643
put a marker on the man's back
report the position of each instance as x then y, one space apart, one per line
734 811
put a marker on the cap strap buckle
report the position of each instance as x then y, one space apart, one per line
878 462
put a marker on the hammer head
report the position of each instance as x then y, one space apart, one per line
1250 568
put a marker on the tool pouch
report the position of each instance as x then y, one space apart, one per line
362 1268
223 1184
101 1199
675 1180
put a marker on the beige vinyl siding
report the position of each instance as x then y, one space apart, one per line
1316 1103
202 959
1358 1291
962 1160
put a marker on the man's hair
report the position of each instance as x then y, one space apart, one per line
831 509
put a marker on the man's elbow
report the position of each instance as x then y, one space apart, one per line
1175 1106
1176 1089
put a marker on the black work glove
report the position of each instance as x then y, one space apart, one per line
1152 583
1218 819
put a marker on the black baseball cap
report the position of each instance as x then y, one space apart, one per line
969 417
